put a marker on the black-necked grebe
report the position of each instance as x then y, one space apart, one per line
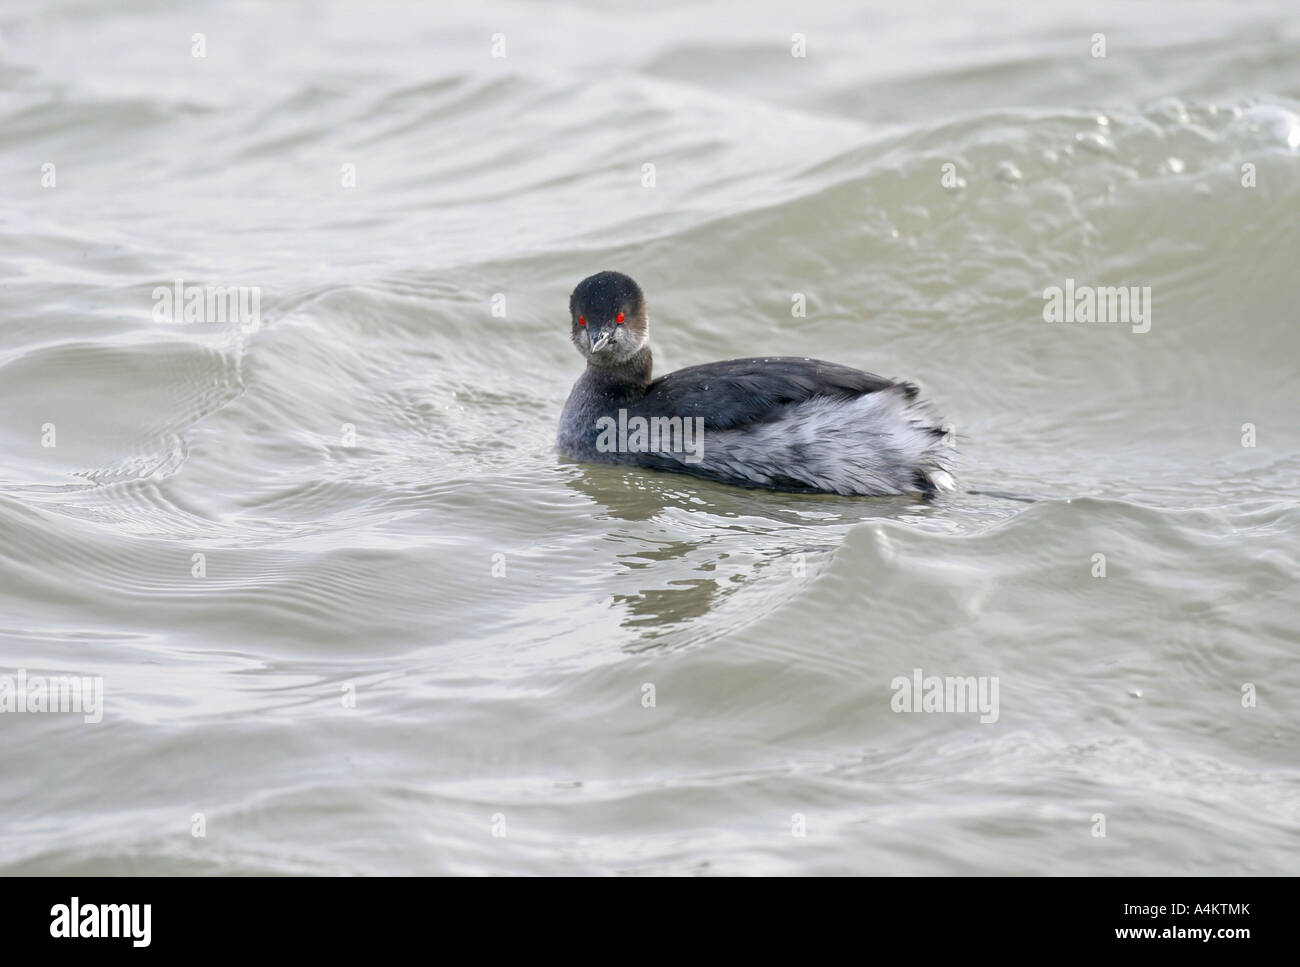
780 423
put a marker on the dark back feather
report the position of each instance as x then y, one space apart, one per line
739 392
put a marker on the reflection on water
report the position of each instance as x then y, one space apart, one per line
758 547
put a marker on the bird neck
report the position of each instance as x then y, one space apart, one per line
631 374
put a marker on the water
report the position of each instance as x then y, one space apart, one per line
414 626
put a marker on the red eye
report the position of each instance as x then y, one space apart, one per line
619 318
582 320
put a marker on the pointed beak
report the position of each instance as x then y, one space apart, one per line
599 341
